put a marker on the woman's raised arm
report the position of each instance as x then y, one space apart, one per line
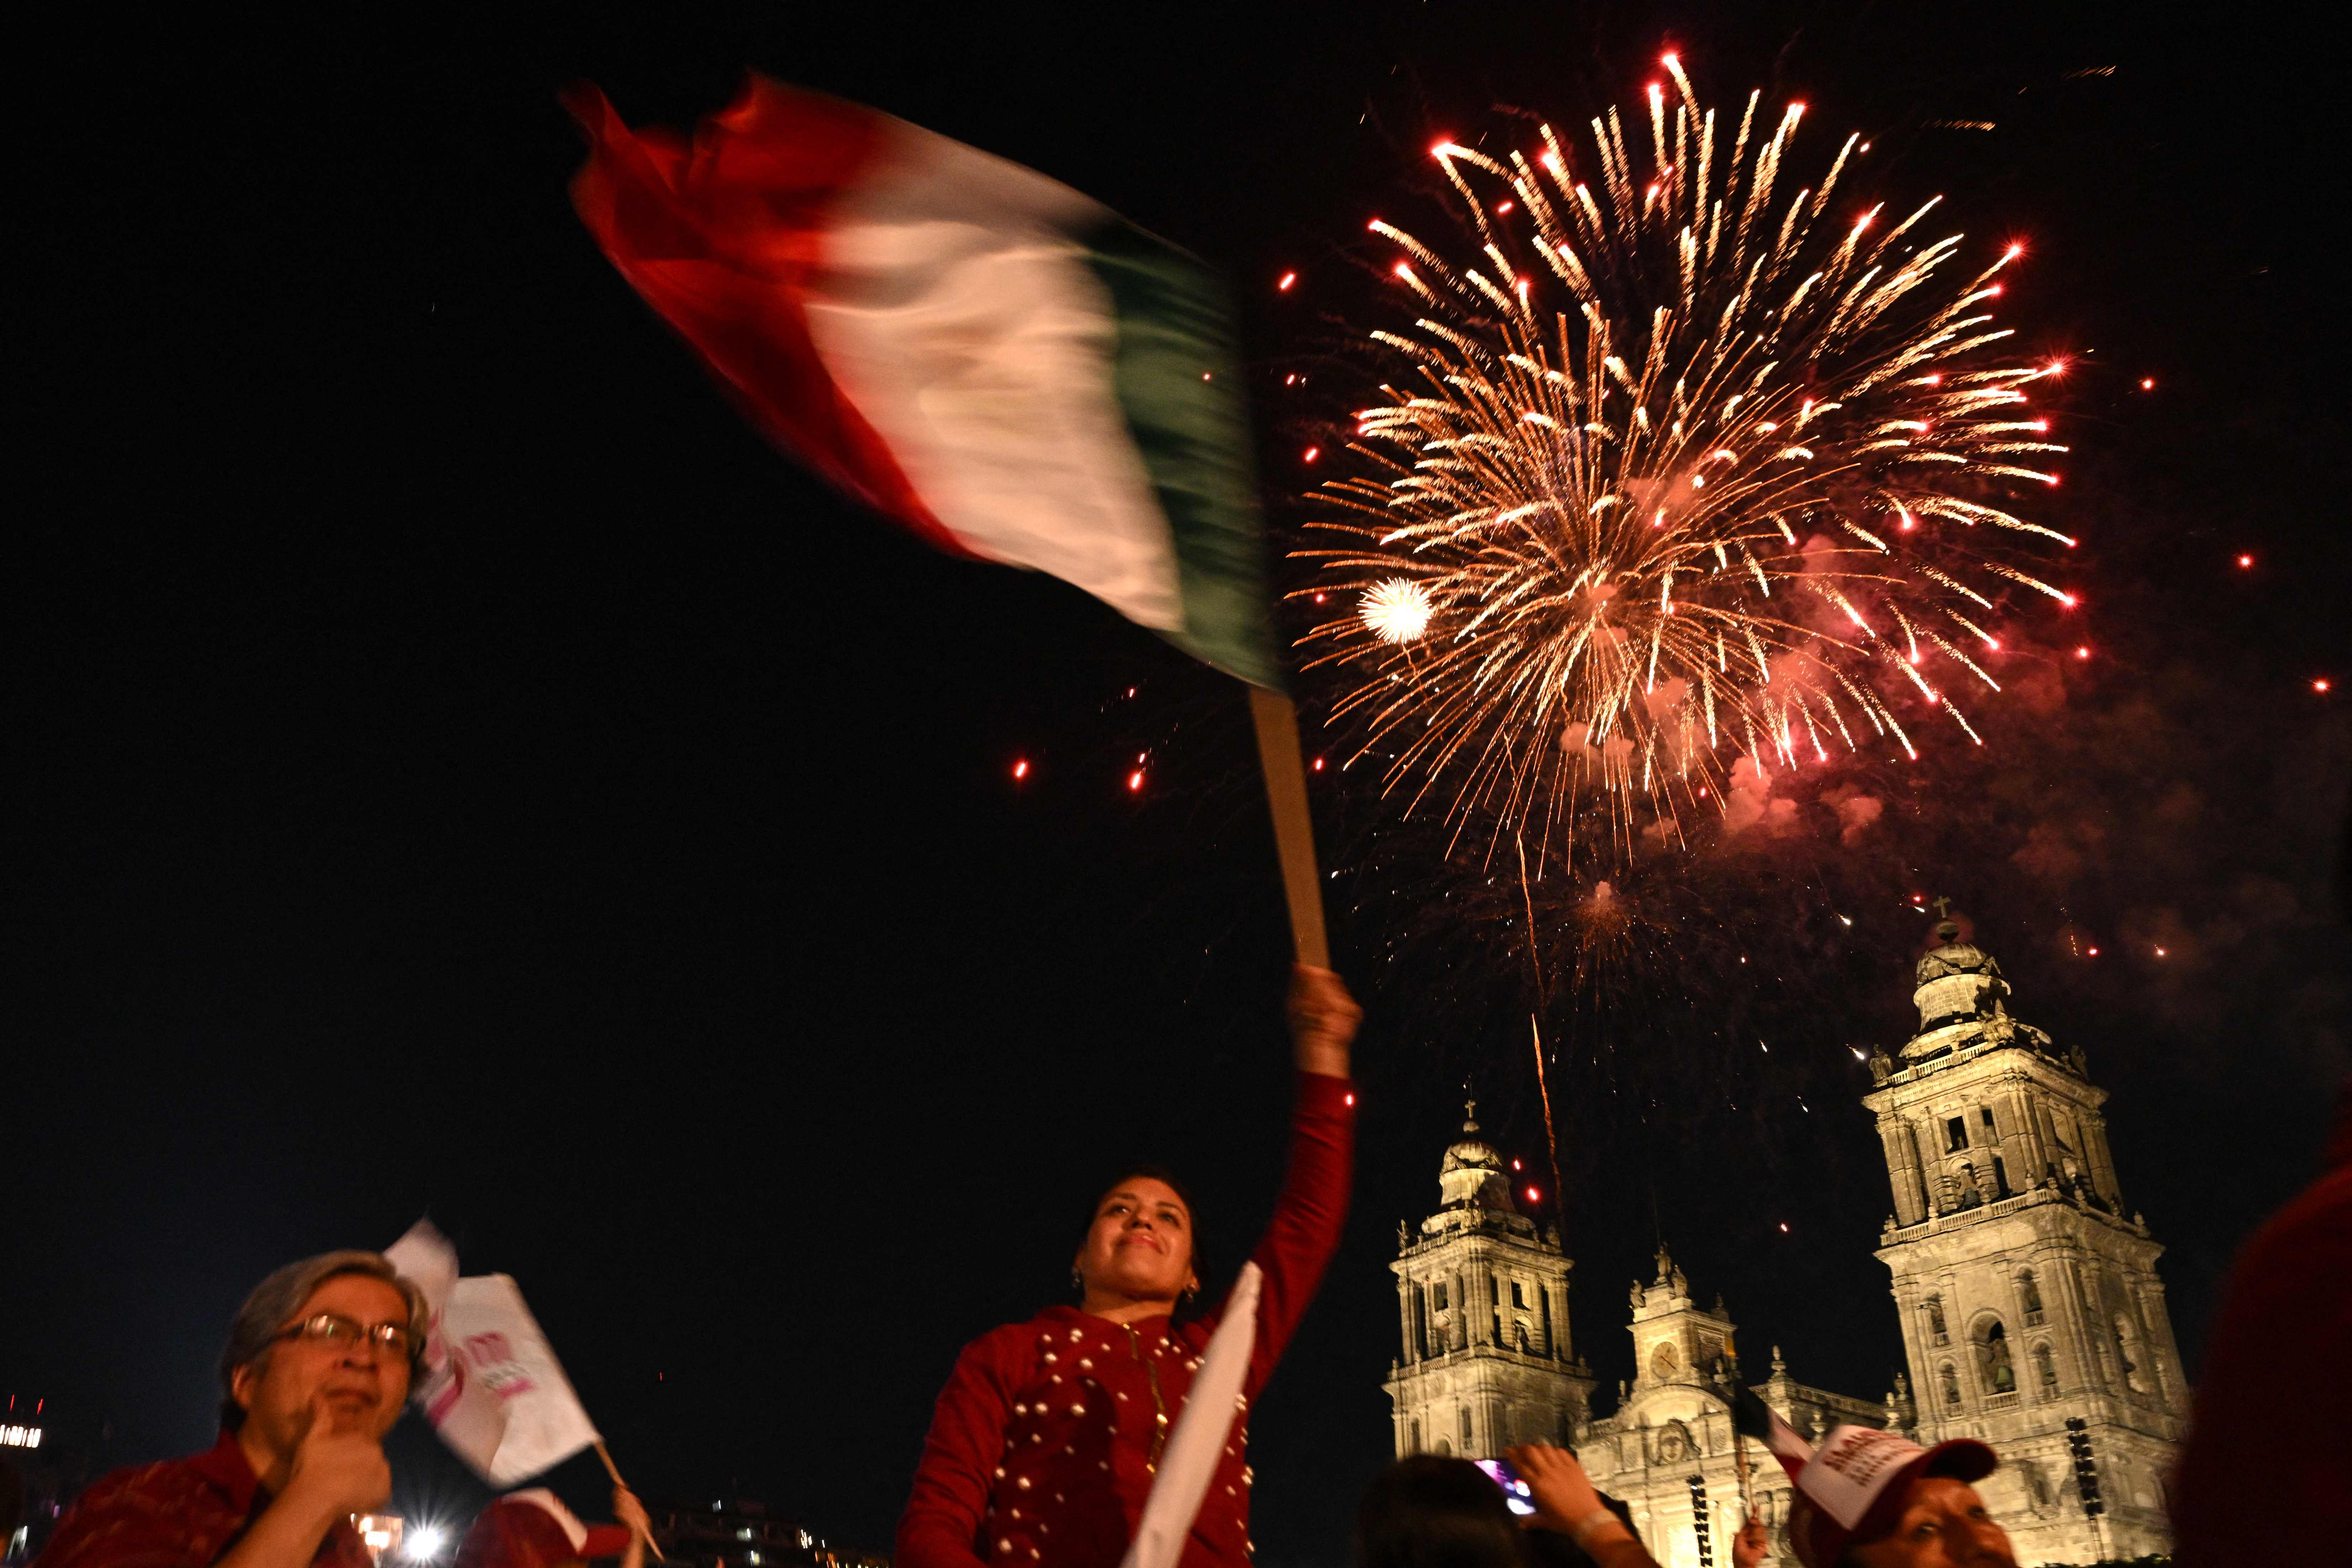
1305 1230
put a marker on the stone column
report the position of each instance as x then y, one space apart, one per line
1405 1318
2046 1133
2028 1153
2082 1321
2163 1348
1903 1169
2102 1160
1925 1398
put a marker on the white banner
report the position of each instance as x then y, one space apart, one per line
1189 1461
492 1388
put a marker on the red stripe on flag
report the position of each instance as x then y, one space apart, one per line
720 235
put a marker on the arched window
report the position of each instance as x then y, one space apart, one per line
1466 1427
1416 1438
2045 1371
1950 1380
1935 1328
1443 1446
2028 1296
1523 1339
1994 1369
1965 1179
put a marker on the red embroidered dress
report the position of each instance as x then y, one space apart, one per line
1043 1443
180 1513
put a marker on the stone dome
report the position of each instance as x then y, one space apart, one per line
1473 1174
1957 980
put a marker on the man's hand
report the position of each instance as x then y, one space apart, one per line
340 1468
1748 1547
1323 1019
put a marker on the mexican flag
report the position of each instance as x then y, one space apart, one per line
999 362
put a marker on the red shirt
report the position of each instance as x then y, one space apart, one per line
1042 1446
180 1513
2269 1463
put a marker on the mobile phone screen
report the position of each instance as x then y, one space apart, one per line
1514 1491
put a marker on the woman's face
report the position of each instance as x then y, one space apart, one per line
1141 1244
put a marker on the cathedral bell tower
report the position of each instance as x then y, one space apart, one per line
2032 1317
1481 1304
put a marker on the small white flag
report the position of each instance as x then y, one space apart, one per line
1189 1461
492 1388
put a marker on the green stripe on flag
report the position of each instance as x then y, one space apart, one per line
1180 388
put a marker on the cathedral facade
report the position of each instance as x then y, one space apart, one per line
2031 1314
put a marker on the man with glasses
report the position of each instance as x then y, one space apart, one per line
315 1372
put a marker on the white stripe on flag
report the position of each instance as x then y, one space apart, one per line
1189 1461
959 315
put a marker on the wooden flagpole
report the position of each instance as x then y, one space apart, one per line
605 1454
1294 830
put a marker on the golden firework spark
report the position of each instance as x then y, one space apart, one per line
1676 468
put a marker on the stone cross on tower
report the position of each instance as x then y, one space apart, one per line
1943 908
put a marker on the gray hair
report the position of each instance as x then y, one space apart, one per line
253 1332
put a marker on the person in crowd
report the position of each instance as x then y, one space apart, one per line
533 1529
1568 1503
2268 1461
315 1372
1428 1511
1046 1438
1918 1508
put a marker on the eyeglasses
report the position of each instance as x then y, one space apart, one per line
338 1332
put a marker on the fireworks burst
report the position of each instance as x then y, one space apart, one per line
1396 611
1672 469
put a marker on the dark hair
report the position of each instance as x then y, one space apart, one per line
1166 1177
1430 1511
254 1330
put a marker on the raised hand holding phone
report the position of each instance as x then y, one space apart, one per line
1567 1500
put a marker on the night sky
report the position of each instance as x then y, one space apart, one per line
455 767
